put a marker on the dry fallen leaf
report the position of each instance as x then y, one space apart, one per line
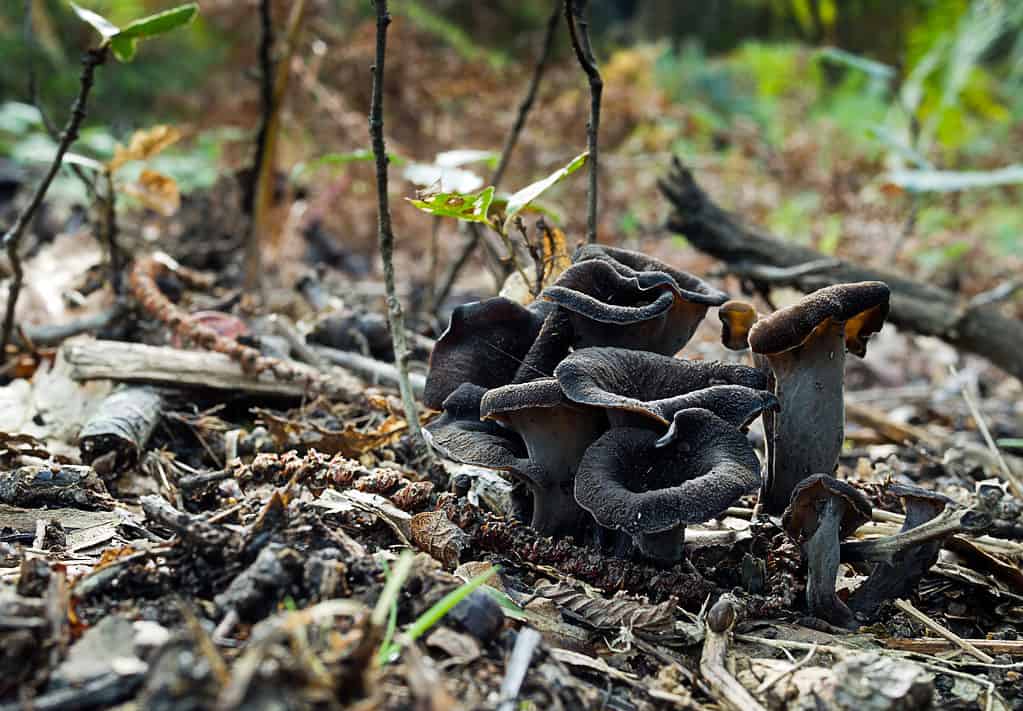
144 144
156 191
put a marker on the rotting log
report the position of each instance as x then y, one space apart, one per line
925 309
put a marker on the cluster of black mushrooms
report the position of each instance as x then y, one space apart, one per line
578 397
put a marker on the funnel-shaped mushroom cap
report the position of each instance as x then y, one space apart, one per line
611 304
802 517
645 385
862 307
899 578
737 318
735 404
460 435
692 287
484 344
627 483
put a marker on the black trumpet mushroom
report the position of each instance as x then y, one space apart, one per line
650 487
805 346
900 577
484 344
556 433
822 512
641 389
460 435
619 298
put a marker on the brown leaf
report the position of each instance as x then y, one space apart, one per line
156 191
144 144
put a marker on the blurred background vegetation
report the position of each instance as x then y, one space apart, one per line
826 98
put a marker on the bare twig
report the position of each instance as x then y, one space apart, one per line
263 195
266 95
527 101
12 239
525 106
578 30
937 628
396 317
1007 473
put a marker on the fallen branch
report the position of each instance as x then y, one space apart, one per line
370 368
138 363
726 688
925 309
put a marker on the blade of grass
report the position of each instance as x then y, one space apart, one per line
437 612
395 581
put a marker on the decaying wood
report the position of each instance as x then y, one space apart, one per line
925 309
370 368
121 426
138 363
727 690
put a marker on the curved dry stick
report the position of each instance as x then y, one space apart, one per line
578 30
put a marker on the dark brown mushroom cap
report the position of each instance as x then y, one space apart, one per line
735 404
691 287
642 382
861 306
629 484
484 344
808 499
541 393
598 291
737 318
460 435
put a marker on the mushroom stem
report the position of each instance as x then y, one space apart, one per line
822 556
663 546
888 549
807 432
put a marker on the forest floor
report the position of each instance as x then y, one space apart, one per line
177 533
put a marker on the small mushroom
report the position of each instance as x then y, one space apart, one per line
556 432
650 307
641 389
737 318
897 579
629 483
822 512
484 344
805 346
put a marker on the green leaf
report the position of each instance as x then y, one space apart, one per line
123 43
468 207
528 194
105 27
339 160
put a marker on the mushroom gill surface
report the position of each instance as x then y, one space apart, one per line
642 389
630 484
805 346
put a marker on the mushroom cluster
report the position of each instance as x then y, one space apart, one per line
578 397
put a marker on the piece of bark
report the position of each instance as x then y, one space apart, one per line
121 426
925 309
134 362
54 485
